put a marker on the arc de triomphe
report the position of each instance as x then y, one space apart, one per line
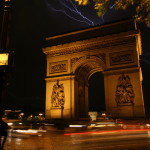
73 58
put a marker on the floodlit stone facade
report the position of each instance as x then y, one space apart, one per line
72 58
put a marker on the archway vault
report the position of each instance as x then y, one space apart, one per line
83 70
72 58
86 67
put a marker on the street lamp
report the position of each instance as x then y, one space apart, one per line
4 36
4 46
4 59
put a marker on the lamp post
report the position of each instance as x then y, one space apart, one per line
5 52
4 36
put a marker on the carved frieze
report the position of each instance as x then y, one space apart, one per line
58 96
101 56
124 91
57 67
123 57
88 46
74 60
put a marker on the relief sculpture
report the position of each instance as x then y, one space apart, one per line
58 96
58 67
124 91
124 57
101 56
74 60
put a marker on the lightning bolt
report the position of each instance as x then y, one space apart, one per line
111 7
70 9
75 10
148 62
145 54
68 5
103 18
143 59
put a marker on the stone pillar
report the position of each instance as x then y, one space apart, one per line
81 99
60 94
123 92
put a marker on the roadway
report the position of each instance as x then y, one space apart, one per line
80 139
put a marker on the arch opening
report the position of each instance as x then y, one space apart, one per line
89 79
96 92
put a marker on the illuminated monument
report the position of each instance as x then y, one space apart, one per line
73 58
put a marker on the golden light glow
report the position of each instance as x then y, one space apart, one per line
4 59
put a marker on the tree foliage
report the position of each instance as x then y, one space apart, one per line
142 7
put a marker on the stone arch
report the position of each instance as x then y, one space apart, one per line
87 66
74 57
83 70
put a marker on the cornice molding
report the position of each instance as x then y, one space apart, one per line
92 44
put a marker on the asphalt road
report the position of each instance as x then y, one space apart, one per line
70 139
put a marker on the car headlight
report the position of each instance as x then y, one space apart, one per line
10 123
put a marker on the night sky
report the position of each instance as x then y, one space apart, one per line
31 22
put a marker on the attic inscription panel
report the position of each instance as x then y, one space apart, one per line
58 67
124 57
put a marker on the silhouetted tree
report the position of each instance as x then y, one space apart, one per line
142 7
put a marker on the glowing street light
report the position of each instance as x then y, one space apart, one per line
4 59
4 39
5 54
